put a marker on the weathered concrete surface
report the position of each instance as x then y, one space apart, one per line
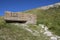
18 16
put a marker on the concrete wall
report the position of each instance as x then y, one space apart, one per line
18 16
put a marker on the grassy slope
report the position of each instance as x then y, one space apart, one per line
50 18
14 32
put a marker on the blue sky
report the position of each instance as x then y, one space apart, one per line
22 5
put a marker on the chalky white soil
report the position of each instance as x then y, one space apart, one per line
44 30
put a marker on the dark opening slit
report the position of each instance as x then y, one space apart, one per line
11 21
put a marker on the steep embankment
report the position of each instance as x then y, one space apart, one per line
50 16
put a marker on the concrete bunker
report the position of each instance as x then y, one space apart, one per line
18 17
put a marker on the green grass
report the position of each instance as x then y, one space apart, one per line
50 18
17 32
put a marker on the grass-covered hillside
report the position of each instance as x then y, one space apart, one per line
49 17
20 32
